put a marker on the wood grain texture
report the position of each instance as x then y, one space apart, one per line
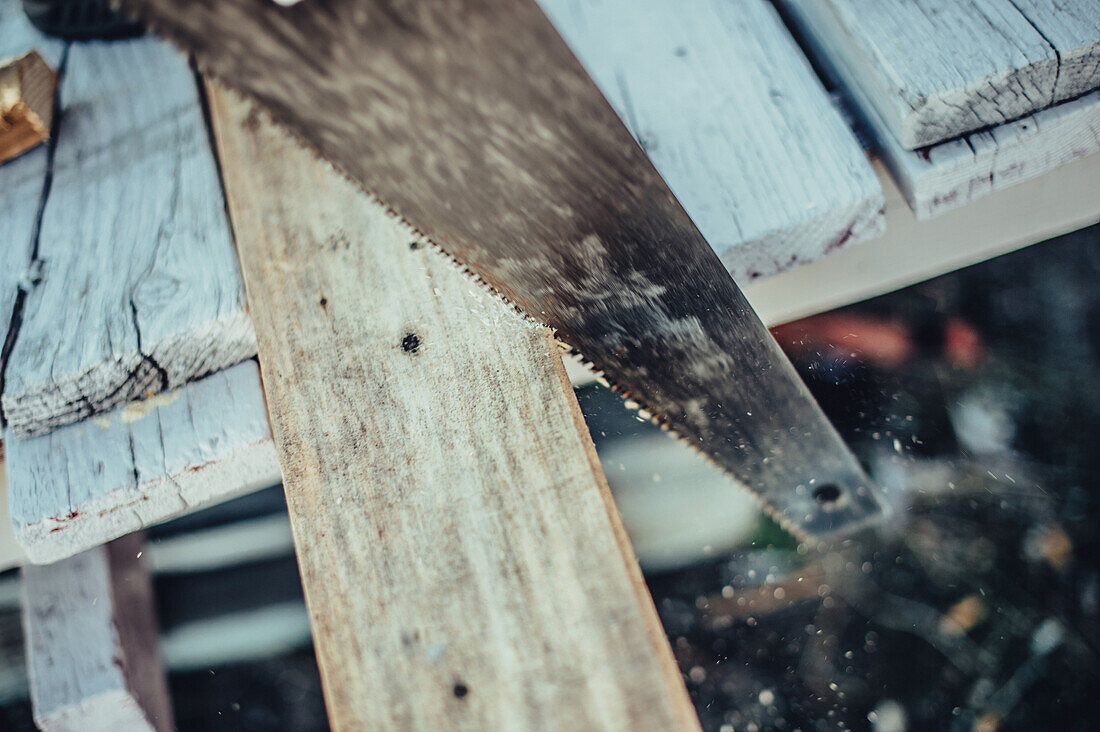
935 69
534 184
91 644
147 461
463 563
955 173
27 91
139 287
736 122
22 180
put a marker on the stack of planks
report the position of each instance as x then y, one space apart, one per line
963 97
122 282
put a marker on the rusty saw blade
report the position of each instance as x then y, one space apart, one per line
477 125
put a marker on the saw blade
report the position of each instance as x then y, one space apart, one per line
474 121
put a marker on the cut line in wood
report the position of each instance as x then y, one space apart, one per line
936 69
92 645
433 448
87 483
735 120
137 288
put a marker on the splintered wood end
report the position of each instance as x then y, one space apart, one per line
27 86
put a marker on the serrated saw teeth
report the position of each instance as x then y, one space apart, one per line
535 187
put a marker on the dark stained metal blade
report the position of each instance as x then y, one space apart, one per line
476 124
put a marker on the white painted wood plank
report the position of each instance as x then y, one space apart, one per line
1072 27
140 288
1065 199
21 179
955 173
735 120
935 69
144 462
91 644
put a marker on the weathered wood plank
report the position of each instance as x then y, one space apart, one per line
22 180
91 643
735 120
1072 27
936 69
90 482
463 563
140 289
955 173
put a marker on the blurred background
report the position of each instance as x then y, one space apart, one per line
973 400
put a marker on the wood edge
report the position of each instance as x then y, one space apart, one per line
51 540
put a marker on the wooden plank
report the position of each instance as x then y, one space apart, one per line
11 553
1072 27
955 173
463 563
22 180
91 644
139 287
145 462
1052 204
936 69
736 122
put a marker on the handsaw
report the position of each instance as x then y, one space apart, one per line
476 124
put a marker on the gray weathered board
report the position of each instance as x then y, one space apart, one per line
463 563
139 288
735 120
954 173
91 644
21 179
935 69
147 461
